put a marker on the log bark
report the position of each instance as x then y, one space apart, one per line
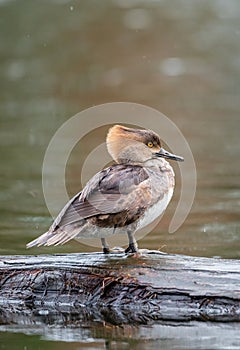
120 288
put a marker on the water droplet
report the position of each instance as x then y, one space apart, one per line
137 19
173 66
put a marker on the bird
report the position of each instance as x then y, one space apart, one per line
122 198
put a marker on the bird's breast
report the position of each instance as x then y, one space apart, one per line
155 210
161 183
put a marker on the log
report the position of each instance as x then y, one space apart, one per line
120 288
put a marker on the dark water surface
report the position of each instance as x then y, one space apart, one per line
181 57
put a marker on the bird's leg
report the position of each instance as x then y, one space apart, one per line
132 247
105 246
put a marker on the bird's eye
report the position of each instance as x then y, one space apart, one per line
150 144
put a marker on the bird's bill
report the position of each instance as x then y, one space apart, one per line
165 154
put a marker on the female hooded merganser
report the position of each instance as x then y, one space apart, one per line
122 198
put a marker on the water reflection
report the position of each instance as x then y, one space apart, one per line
96 335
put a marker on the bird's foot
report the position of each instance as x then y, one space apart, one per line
131 249
106 250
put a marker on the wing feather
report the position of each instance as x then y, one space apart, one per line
112 190
117 189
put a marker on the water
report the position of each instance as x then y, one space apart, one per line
180 57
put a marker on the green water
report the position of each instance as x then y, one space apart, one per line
180 57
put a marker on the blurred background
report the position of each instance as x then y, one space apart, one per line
181 57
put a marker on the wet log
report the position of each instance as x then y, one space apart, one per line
120 288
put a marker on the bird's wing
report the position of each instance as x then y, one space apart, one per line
112 190
117 189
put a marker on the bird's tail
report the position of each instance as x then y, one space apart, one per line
42 240
55 237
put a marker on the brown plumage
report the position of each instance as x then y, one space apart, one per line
122 198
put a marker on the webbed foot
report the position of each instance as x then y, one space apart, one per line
132 248
106 250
